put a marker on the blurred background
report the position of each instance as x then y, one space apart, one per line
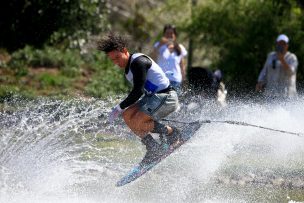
56 90
48 48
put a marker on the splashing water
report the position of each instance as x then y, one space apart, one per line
65 151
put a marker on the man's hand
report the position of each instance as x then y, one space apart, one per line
259 87
281 57
284 63
116 111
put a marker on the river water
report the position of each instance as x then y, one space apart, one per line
65 151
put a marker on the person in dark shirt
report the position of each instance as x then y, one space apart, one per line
208 84
151 98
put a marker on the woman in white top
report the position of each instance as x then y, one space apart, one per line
169 55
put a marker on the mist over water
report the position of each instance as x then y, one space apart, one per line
65 151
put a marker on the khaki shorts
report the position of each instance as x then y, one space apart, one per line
159 105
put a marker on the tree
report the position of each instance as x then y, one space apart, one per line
242 33
36 22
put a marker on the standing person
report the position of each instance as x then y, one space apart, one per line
151 98
278 76
208 84
170 56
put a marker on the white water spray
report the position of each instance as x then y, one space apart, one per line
65 151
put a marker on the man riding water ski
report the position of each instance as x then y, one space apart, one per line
151 99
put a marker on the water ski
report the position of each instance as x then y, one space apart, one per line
187 132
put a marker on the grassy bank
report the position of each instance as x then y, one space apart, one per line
54 72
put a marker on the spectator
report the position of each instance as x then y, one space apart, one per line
208 84
278 76
169 55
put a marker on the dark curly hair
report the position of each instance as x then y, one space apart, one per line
112 42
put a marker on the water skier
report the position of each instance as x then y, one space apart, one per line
151 99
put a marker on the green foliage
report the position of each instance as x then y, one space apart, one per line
72 62
28 56
244 32
8 92
22 71
238 34
35 22
47 80
69 61
107 79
